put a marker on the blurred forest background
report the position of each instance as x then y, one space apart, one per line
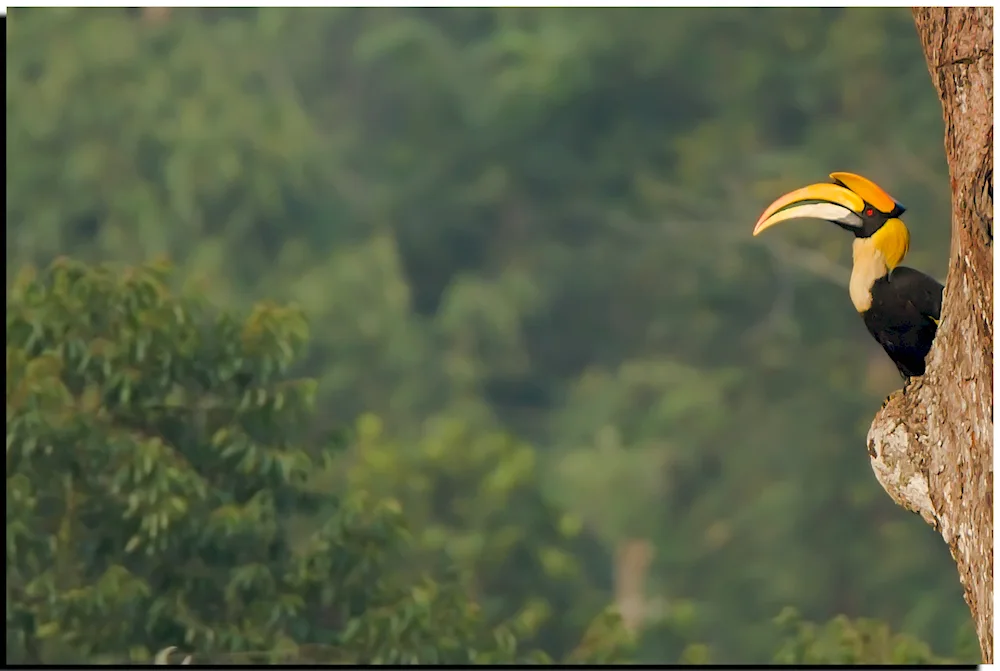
553 371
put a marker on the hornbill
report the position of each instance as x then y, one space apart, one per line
901 306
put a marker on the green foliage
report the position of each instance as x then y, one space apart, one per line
843 641
153 455
521 238
604 642
474 497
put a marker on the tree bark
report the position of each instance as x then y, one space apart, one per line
931 445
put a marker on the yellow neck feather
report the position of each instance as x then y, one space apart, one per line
874 257
893 240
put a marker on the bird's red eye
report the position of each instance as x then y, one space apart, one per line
869 212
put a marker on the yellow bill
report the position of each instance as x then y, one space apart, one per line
831 202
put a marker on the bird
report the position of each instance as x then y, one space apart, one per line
900 306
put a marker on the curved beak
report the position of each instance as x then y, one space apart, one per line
831 202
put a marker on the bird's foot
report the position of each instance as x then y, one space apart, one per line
890 397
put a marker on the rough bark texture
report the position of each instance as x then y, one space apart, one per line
931 445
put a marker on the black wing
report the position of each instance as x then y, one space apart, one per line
922 290
903 318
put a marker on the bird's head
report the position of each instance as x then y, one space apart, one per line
852 202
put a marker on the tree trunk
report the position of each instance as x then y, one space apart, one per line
631 568
931 445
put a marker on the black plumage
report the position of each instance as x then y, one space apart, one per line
903 317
